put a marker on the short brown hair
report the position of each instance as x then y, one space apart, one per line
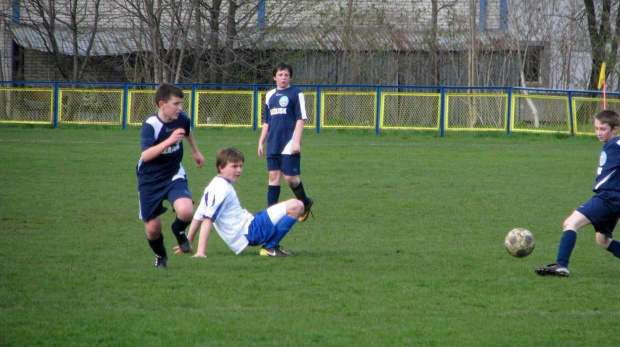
608 117
228 155
281 66
166 91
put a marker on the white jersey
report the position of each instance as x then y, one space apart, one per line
220 203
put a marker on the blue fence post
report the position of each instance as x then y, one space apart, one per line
318 109
570 113
509 112
378 115
442 112
255 110
193 107
55 106
125 103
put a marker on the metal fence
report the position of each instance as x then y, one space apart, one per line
365 107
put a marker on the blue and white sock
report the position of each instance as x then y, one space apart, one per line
282 228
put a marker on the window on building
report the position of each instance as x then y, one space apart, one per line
532 61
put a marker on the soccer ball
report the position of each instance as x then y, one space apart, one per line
519 242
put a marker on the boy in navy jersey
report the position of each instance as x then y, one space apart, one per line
161 175
603 209
283 123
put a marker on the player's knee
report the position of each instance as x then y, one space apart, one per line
292 181
184 209
602 240
153 230
569 224
294 208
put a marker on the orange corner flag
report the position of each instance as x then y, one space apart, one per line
601 77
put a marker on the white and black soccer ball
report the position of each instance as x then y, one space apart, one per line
519 242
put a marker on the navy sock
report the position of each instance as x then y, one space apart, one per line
567 243
178 229
158 246
273 195
300 193
282 229
614 248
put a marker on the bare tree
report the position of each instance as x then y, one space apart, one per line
59 23
164 25
603 36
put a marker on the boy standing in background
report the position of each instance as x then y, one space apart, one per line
284 116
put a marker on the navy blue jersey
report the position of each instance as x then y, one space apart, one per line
283 108
167 166
608 177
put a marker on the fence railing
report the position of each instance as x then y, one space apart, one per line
431 108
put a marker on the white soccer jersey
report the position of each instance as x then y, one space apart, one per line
221 204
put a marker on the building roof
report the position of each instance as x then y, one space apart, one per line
110 42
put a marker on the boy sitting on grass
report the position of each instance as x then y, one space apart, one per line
220 207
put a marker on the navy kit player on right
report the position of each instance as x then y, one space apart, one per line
283 123
603 209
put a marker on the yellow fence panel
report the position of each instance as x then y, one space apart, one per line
540 113
26 105
584 110
224 108
90 106
310 109
349 110
476 111
141 104
420 111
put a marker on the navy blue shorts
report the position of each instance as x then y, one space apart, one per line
289 164
151 200
603 211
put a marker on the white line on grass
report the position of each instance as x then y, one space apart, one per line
48 141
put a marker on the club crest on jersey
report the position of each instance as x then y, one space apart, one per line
283 101
602 159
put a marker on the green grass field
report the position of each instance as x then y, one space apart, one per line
406 247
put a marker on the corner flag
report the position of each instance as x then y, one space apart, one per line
601 77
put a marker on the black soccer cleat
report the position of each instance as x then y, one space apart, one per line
553 270
307 207
161 262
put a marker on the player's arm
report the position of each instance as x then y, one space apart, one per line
205 232
299 128
261 140
154 151
198 158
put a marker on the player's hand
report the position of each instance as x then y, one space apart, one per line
261 152
200 160
178 250
296 148
199 255
177 135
